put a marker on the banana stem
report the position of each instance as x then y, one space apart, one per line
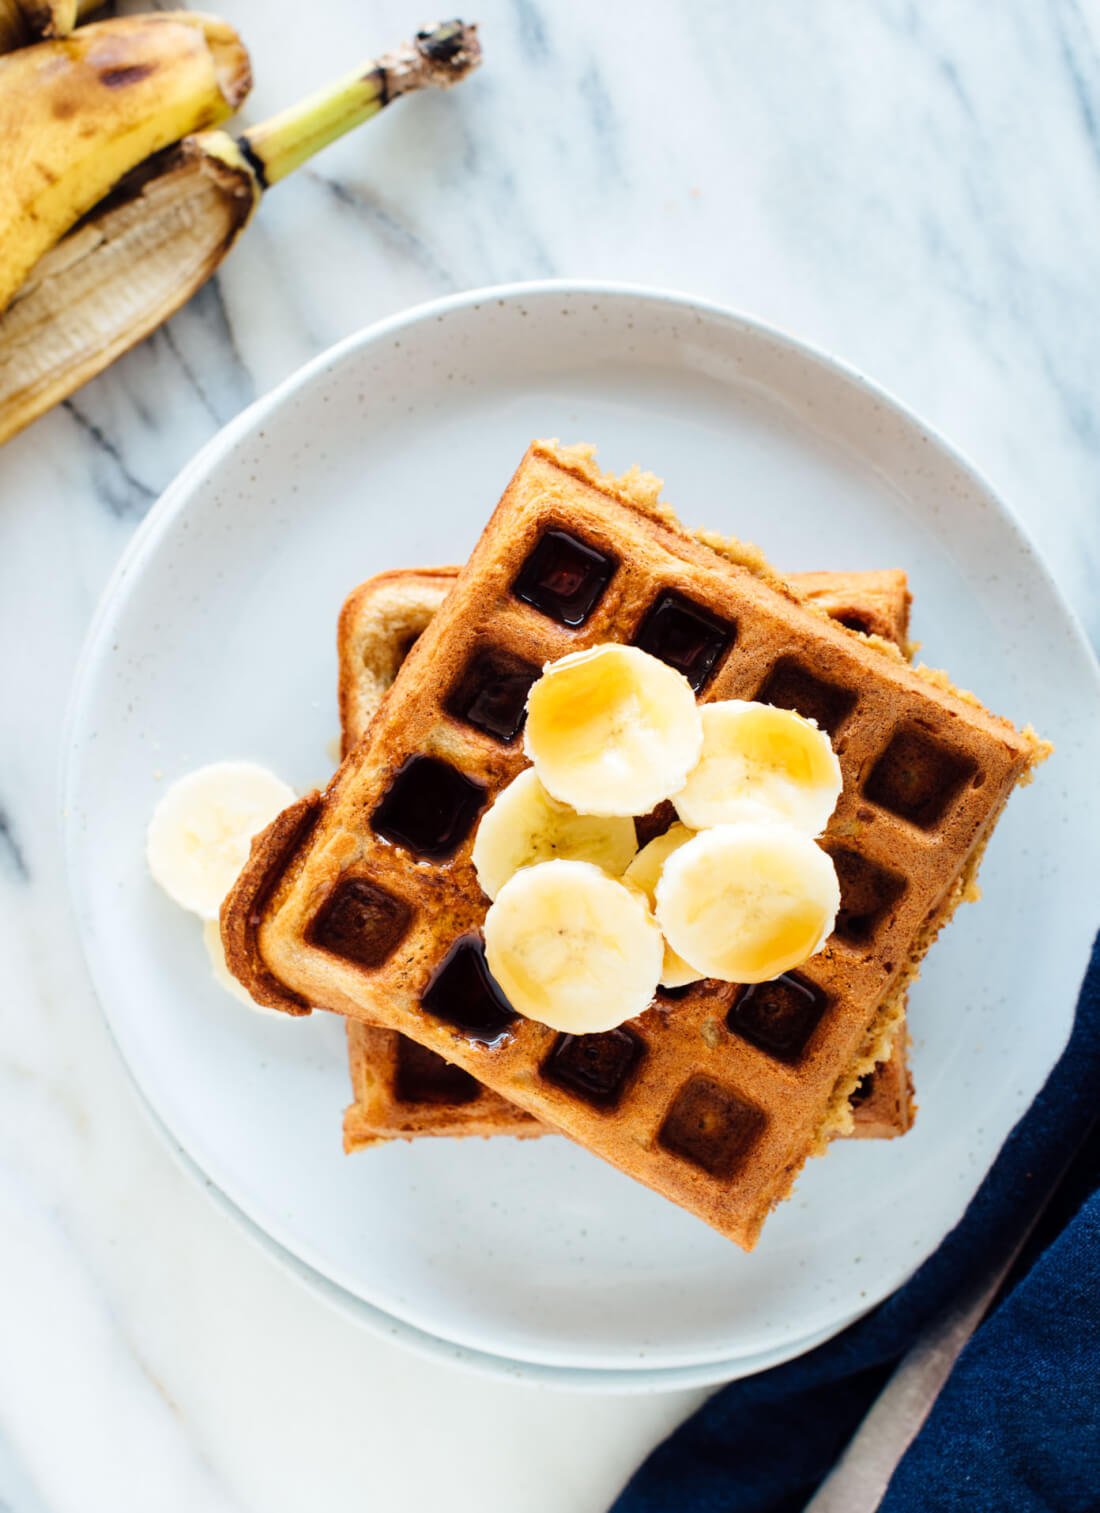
437 57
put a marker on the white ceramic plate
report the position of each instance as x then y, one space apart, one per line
364 1315
215 639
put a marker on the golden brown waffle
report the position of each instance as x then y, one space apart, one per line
882 1102
403 1090
365 900
379 622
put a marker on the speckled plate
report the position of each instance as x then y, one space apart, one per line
215 639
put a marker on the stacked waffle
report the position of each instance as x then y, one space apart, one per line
365 901
403 1089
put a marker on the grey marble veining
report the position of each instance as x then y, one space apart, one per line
913 186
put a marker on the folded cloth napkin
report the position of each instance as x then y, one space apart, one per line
1017 1423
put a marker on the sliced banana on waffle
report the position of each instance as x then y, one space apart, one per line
199 837
756 762
745 902
644 873
612 731
212 940
525 825
573 948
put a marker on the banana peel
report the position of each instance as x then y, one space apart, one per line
78 114
117 276
165 229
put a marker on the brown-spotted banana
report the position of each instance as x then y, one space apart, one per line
164 230
79 113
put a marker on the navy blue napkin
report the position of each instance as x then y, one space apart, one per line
1017 1424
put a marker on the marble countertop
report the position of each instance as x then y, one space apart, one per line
911 186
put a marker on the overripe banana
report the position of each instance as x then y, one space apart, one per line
133 262
78 114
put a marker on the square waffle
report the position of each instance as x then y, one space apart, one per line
365 900
403 1090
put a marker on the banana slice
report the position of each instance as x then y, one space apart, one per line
525 826
212 940
757 762
199 835
612 731
643 873
745 902
573 948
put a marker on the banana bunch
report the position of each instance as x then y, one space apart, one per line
118 200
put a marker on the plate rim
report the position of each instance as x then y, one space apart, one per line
623 1381
708 1368
530 288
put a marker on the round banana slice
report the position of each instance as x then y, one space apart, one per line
745 902
573 948
212 940
643 873
200 833
524 825
612 731
758 761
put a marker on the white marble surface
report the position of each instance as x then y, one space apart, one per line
913 186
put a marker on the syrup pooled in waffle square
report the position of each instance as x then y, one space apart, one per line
370 905
403 1090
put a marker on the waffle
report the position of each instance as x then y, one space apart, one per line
403 1090
882 1101
364 900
